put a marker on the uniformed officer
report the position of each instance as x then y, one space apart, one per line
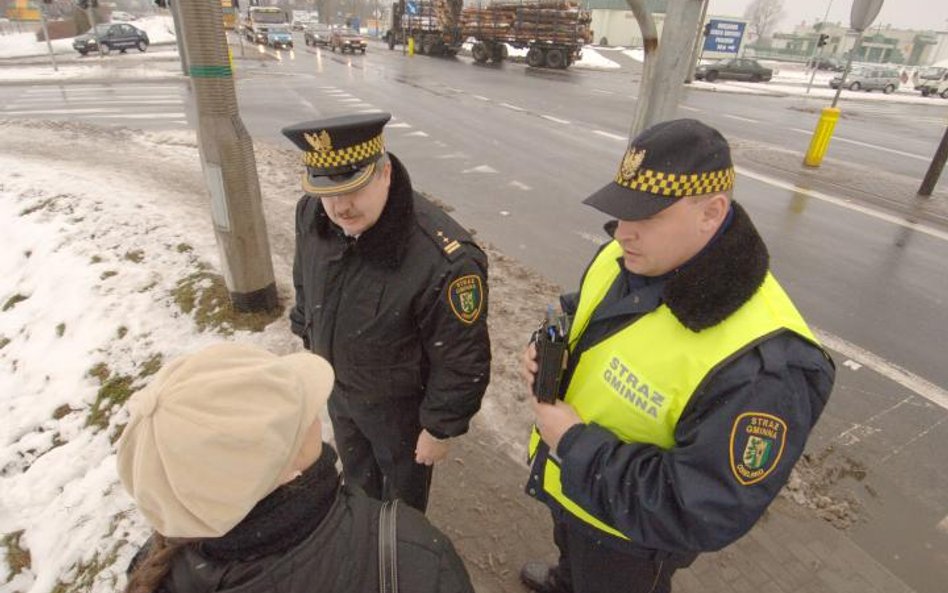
692 380
393 292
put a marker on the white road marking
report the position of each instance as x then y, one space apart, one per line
594 239
852 364
739 118
556 119
417 133
688 108
610 135
452 155
867 145
943 525
373 110
481 97
896 450
481 169
351 100
399 124
74 101
57 111
140 115
451 88
602 92
922 387
933 232
504 213
514 107
520 185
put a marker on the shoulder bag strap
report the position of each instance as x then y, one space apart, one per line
388 560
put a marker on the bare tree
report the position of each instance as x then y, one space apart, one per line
763 15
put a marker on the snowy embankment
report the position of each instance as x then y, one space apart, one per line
160 29
107 272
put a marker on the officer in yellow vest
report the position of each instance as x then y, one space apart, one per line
692 381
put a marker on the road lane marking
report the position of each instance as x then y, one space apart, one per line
452 155
603 92
594 239
739 118
513 107
399 124
688 108
139 115
481 169
417 133
867 145
556 119
930 231
481 97
351 100
610 135
520 185
57 111
909 380
898 449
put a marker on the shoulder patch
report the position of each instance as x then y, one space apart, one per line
757 441
466 297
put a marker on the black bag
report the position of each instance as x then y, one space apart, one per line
388 557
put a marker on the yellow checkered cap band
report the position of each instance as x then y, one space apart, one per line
350 155
679 185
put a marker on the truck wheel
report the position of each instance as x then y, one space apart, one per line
555 58
925 92
480 53
889 89
535 57
498 53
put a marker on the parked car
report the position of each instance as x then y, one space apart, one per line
317 34
108 36
869 79
279 37
734 69
828 63
936 88
345 39
930 76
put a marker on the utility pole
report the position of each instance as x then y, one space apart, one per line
935 169
661 92
227 159
699 43
49 44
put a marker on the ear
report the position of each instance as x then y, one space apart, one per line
387 173
714 211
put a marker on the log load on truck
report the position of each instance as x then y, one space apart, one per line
432 24
553 31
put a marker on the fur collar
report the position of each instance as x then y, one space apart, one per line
386 241
721 278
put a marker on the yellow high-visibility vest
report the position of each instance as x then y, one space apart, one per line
637 382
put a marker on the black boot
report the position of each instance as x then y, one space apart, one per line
541 577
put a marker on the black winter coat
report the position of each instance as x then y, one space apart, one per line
401 312
340 556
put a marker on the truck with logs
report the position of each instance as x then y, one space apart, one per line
552 31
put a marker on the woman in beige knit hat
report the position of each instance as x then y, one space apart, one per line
224 457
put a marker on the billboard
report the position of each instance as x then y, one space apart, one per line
723 38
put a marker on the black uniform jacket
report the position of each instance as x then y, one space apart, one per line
401 312
686 499
340 556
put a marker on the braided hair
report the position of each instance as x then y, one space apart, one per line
148 573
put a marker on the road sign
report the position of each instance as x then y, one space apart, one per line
411 8
724 37
863 13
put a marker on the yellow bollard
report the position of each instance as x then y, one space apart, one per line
411 46
821 137
230 59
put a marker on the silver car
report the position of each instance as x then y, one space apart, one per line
867 78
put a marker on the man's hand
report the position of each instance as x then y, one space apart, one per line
529 366
553 420
430 450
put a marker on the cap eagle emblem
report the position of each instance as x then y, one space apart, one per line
631 163
320 142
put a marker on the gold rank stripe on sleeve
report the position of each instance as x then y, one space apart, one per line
452 247
349 155
679 185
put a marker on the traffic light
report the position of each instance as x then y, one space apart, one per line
824 39
707 29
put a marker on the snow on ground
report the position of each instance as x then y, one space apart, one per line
92 70
593 60
160 29
92 257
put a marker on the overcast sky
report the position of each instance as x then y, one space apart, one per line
904 14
